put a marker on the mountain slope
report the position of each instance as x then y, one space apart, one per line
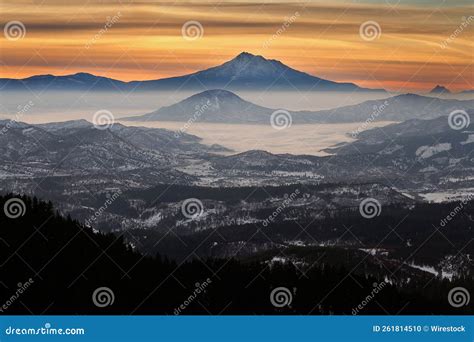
440 90
245 71
211 106
75 265
426 141
225 107
76 148
397 108
78 81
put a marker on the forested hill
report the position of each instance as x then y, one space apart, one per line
64 263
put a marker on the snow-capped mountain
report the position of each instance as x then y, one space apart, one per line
77 148
245 71
72 162
419 151
419 143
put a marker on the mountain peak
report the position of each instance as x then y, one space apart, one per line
246 60
244 54
216 105
54 126
247 68
247 55
215 93
244 71
440 89
214 99
83 74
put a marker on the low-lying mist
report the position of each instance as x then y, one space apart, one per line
52 106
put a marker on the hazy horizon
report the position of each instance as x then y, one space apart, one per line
338 41
62 106
56 106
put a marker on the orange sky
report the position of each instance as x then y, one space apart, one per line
145 40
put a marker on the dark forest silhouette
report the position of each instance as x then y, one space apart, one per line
69 261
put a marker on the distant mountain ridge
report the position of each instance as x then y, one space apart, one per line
248 71
78 147
396 108
245 71
216 105
408 136
413 155
439 89
78 81
223 106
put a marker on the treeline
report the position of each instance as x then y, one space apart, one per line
176 193
419 231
